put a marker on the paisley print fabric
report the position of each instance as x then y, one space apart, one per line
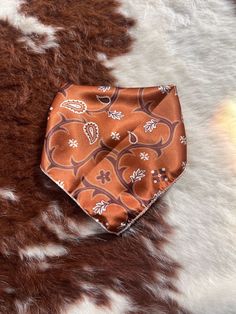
114 150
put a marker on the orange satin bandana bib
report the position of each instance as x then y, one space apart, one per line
114 150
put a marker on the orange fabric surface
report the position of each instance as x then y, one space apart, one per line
114 150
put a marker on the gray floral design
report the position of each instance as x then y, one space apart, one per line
144 156
137 175
100 207
73 143
104 88
159 175
115 136
115 115
150 125
104 176
165 89
183 139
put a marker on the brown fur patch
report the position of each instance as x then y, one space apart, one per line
45 215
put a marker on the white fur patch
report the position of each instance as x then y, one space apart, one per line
119 304
85 228
192 44
40 252
8 194
22 307
56 222
10 12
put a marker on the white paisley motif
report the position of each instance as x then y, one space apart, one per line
74 105
91 131
133 139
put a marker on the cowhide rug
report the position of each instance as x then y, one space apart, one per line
180 257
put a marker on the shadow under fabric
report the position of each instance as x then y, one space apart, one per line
115 150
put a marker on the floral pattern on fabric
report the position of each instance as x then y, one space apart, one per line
131 148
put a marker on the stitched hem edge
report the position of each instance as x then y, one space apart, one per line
136 218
